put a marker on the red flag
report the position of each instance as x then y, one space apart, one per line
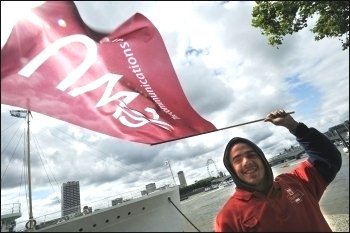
122 84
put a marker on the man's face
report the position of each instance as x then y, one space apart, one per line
247 164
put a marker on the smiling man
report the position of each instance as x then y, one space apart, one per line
247 164
288 203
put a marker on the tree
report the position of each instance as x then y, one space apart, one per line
279 18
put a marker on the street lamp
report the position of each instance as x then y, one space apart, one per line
167 163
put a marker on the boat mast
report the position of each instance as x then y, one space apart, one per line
31 222
30 225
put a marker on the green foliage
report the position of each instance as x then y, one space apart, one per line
200 184
279 18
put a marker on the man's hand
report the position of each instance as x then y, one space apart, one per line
281 118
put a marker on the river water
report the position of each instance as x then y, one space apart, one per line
201 208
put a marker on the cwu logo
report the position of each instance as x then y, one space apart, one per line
126 116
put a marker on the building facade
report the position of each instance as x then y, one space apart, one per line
144 192
151 187
182 179
117 201
70 198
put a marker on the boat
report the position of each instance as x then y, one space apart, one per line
157 211
152 213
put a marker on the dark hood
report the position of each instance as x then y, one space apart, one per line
239 183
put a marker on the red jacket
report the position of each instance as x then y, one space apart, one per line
293 198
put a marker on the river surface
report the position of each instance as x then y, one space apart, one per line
201 208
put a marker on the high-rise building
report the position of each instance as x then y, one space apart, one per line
182 179
70 198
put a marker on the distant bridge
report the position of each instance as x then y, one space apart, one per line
293 153
334 134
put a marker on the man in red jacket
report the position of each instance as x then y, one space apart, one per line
288 203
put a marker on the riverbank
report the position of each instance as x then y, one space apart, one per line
201 208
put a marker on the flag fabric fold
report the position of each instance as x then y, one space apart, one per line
121 84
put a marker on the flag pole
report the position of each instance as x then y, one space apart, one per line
246 123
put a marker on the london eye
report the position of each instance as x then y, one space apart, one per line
210 166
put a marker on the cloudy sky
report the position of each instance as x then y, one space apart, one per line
229 74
